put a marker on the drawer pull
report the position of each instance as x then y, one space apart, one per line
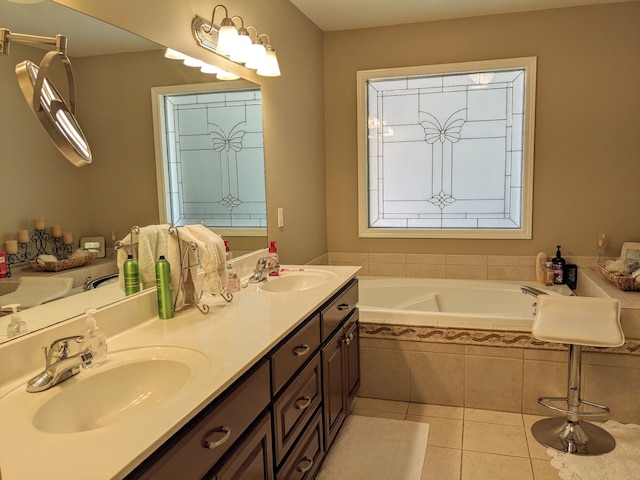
344 306
301 350
306 468
302 403
217 443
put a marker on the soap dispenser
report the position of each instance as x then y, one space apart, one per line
558 267
16 326
94 339
275 258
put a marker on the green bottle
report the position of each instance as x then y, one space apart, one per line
163 286
131 276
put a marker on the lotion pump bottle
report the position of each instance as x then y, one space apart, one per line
273 253
558 267
94 339
228 252
541 260
16 326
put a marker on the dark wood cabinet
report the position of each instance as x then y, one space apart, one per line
279 419
252 459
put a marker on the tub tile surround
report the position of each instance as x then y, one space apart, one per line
508 377
493 370
437 265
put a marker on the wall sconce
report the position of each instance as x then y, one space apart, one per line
53 112
236 43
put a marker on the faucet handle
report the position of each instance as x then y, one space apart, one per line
59 348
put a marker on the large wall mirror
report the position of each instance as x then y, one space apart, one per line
115 73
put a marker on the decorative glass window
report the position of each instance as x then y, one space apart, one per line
213 157
447 150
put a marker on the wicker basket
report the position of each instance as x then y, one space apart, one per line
61 265
620 280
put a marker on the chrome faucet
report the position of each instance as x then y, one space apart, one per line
59 365
264 266
534 292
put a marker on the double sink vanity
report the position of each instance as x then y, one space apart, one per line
256 388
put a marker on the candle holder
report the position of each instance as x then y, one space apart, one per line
40 239
20 257
58 249
67 249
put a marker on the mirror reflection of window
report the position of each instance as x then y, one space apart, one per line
213 160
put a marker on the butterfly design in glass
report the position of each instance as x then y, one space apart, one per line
222 141
434 131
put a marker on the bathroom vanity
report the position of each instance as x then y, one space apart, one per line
271 377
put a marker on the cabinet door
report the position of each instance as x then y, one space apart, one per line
253 459
352 356
333 386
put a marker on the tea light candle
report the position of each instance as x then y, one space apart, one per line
56 231
12 246
38 223
67 238
23 236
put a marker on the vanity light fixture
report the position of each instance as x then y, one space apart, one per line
204 67
235 45
56 115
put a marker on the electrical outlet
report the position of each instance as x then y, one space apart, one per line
280 217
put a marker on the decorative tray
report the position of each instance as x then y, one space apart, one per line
620 280
61 265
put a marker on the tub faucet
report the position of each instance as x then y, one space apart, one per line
534 292
264 266
59 365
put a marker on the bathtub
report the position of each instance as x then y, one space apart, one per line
471 304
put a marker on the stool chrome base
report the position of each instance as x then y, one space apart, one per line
578 438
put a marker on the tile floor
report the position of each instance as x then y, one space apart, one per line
470 444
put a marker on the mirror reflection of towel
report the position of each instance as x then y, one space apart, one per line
151 243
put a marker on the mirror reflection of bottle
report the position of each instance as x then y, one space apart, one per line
558 267
131 276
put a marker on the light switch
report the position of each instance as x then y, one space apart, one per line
280 217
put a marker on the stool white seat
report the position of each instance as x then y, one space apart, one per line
577 321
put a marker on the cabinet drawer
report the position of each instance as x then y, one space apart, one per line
200 446
337 311
252 459
305 459
289 357
293 409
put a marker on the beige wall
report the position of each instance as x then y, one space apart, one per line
292 109
587 142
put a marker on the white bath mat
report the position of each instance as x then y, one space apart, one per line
369 448
622 463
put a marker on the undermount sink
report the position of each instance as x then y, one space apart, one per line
132 382
295 281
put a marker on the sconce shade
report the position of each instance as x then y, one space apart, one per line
50 108
227 37
174 54
224 75
269 66
242 46
257 54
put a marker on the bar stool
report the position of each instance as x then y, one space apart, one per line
577 321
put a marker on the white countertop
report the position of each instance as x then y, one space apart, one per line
233 337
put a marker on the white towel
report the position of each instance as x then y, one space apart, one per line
211 252
151 244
